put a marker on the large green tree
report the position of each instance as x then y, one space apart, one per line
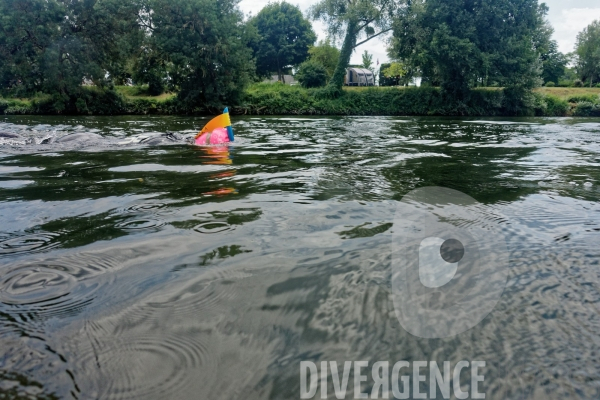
587 53
553 61
205 45
285 37
326 54
53 45
23 42
357 21
465 43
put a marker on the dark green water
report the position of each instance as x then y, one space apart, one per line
133 265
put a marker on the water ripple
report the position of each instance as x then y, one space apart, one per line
140 367
34 284
212 227
139 224
28 243
56 287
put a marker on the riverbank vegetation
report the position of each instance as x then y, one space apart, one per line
279 99
106 57
266 99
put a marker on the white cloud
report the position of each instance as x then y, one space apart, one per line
569 23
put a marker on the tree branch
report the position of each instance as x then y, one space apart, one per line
365 24
371 37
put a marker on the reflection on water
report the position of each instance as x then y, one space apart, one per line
136 266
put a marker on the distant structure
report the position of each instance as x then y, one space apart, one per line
359 77
287 79
416 81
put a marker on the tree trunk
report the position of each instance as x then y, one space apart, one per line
337 80
279 73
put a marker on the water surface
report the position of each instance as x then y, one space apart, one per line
133 265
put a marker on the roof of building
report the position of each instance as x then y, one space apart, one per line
361 71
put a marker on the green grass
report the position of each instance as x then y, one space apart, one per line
566 93
560 92
279 99
141 92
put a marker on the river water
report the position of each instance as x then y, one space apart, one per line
133 265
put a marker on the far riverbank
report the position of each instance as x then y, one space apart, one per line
277 99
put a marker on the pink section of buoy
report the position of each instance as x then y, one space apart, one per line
217 136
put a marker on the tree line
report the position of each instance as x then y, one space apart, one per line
207 51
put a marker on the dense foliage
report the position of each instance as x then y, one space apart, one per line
461 44
393 74
553 63
588 53
312 74
280 99
285 37
205 44
326 54
54 48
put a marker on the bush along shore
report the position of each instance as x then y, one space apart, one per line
277 99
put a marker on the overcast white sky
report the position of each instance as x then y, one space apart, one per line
568 17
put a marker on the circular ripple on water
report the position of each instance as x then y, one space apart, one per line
140 224
34 284
30 243
212 294
212 227
143 366
145 207
53 288
150 208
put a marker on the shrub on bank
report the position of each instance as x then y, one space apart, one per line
15 107
264 99
312 74
19 110
587 109
552 106
151 106
87 100
93 101
278 99
589 98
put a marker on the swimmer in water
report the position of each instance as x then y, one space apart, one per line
217 131
217 136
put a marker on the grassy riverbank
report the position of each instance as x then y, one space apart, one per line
278 99
269 99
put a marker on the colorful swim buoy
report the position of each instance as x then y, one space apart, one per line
217 131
